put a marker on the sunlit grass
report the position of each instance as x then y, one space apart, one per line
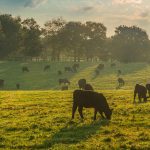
41 120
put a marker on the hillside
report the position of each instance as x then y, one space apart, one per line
37 79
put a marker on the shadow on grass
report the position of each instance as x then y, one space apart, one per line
72 133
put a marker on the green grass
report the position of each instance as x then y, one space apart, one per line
39 115
41 120
37 79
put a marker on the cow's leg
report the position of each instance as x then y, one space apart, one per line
74 110
80 108
101 113
145 98
139 97
95 112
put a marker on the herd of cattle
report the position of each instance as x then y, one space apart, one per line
86 96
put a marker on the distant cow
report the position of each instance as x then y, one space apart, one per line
141 91
59 72
113 65
68 69
47 67
90 99
121 82
97 72
25 69
148 88
119 72
18 86
64 88
63 81
84 86
1 83
76 65
100 67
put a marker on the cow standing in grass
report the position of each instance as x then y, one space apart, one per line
90 99
1 83
141 91
84 86
25 69
47 67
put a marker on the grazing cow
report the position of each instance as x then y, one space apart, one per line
90 99
25 69
100 67
113 65
141 91
84 86
121 82
97 72
64 81
148 88
64 88
74 69
47 67
119 72
68 69
18 86
76 65
1 83
59 72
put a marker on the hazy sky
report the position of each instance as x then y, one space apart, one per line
110 12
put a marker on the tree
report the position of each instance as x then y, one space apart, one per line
130 44
10 35
94 40
32 45
53 37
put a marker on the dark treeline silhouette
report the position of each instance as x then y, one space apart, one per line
59 39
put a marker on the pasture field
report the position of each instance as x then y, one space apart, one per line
37 79
41 120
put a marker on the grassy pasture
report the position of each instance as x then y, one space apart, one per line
37 79
41 120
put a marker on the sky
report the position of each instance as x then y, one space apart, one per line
111 13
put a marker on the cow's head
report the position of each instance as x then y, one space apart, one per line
108 114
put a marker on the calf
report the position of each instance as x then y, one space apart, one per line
90 99
100 67
47 67
141 91
64 81
1 83
25 69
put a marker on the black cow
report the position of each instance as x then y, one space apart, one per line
141 91
18 86
47 67
119 72
121 82
100 67
113 65
148 88
90 99
97 72
1 83
68 69
64 88
84 86
25 69
63 81
59 72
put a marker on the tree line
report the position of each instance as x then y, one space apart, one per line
71 40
